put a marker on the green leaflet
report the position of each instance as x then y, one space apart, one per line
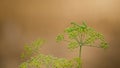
73 45
32 48
104 45
24 65
60 37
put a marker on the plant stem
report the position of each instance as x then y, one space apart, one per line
80 50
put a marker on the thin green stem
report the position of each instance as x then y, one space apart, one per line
80 50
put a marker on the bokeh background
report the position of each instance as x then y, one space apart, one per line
22 21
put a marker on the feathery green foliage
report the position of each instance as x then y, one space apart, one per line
82 35
38 60
77 37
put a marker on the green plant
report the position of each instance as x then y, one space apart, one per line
76 35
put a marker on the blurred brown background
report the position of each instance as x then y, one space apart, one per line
22 21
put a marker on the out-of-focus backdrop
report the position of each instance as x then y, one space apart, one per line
22 21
